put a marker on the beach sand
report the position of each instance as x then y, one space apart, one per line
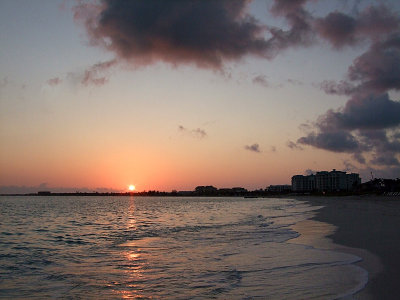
366 226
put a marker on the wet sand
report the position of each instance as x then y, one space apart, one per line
367 226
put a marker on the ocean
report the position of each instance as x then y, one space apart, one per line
165 248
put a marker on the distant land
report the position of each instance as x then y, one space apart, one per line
377 186
335 183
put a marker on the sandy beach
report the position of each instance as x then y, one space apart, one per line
366 226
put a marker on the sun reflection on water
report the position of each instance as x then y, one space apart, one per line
133 261
133 268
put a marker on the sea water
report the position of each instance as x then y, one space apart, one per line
165 248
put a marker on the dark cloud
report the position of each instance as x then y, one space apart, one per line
363 112
367 125
287 7
381 139
385 160
54 81
300 32
342 29
196 133
261 80
338 28
360 128
389 172
378 69
210 33
385 148
206 33
253 148
359 158
376 21
336 141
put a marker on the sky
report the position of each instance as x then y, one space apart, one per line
99 95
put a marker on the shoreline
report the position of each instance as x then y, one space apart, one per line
363 226
316 234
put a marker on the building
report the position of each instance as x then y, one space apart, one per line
282 188
324 181
353 181
331 181
302 184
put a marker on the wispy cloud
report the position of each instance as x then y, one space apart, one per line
196 133
292 145
54 81
253 148
337 88
294 81
95 75
4 82
98 73
261 80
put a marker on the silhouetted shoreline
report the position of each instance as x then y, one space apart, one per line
246 194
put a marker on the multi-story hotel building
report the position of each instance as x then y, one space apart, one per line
325 181
301 183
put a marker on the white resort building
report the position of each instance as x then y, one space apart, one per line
325 181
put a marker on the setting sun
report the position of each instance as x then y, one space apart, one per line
131 188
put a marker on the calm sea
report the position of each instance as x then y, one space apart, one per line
165 248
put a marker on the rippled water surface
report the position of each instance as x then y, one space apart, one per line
164 248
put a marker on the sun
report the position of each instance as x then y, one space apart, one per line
131 187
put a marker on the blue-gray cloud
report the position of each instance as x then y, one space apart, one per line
363 112
337 141
369 123
364 125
